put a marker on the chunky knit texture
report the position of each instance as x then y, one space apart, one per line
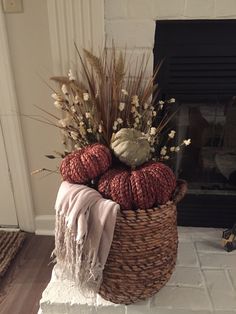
85 164
150 185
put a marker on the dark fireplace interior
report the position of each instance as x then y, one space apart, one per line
199 71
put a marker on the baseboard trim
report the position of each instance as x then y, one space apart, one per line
45 225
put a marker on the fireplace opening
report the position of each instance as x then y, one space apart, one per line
199 71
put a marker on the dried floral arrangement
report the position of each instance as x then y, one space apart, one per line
114 104
107 97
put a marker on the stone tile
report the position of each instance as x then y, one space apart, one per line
181 298
198 234
184 234
217 260
224 312
186 276
131 33
220 289
169 8
210 245
109 310
187 230
107 307
199 8
133 309
115 9
232 274
184 238
66 308
226 8
178 311
186 255
140 9
139 307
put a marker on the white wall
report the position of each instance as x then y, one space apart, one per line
29 42
131 23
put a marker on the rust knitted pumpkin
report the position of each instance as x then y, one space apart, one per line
150 185
164 181
85 164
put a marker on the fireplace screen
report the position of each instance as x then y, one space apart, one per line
199 71
209 163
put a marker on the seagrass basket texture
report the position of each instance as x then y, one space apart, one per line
143 252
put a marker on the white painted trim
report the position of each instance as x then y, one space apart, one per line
71 21
10 229
13 138
79 21
45 225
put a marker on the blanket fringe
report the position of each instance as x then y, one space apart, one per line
73 262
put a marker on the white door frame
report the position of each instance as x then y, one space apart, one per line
13 138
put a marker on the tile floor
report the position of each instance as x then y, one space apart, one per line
204 282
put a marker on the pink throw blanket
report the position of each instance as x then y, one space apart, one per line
85 223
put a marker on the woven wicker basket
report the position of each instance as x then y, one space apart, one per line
143 252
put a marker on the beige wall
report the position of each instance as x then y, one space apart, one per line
28 34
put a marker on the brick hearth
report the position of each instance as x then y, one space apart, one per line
204 282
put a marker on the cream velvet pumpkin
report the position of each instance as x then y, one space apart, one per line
131 147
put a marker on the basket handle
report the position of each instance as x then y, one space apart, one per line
180 191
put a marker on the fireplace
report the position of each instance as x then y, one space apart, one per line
199 71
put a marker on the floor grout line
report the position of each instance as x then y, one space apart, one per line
228 276
185 286
204 280
220 253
